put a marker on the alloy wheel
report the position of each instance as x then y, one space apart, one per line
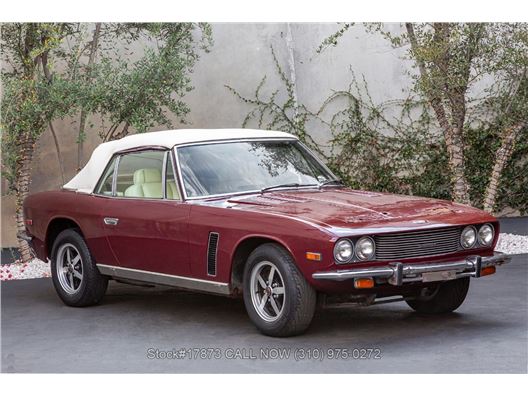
267 291
69 268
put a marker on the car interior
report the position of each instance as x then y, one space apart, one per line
147 183
139 175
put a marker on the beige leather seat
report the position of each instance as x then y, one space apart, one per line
172 191
148 184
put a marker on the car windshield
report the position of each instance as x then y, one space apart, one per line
236 167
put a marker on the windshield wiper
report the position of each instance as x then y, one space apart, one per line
331 181
294 185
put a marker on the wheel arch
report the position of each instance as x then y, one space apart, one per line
241 253
55 227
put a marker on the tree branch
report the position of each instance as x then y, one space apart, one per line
82 122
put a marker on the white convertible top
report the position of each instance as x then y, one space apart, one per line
86 179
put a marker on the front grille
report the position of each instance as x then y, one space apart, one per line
417 243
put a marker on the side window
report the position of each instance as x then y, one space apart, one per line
105 184
171 186
139 175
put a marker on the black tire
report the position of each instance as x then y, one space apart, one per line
446 298
299 297
92 286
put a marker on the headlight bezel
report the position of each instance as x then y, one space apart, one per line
468 228
357 249
480 240
352 247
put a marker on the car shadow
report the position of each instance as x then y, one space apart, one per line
374 325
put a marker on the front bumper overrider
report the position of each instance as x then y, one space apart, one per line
398 273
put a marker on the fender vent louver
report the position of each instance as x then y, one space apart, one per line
212 249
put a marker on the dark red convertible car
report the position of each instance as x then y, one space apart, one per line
255 214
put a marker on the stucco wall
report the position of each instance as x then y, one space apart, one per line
240 57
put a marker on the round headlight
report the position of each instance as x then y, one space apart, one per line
486 234
365 248
343 251
468 237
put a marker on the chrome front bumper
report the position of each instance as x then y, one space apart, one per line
398 273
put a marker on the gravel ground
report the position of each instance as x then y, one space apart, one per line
33 269
512 244
508 243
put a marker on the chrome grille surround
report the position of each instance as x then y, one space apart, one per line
421 243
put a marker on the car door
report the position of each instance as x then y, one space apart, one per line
145 220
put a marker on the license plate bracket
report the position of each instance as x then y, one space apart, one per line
438 276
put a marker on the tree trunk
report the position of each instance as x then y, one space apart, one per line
22 181
457 166
452 135
502 156
84 114
57 149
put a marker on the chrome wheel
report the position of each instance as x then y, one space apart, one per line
267 291
69 268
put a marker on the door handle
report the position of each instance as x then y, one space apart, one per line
111 221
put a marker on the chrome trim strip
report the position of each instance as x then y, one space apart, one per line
165 279
142 148
114 176
164 176
396 273
179 187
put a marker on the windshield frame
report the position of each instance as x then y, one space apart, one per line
224 141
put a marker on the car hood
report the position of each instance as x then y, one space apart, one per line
345 209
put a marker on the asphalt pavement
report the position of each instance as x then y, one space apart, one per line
144 330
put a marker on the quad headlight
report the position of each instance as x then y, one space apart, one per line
468 238
365 248
343 251
486 234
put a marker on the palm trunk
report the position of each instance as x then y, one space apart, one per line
22 181
503 155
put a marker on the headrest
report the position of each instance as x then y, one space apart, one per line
151 175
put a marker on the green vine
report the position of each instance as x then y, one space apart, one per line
287 116
372 150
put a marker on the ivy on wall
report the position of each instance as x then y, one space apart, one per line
393 147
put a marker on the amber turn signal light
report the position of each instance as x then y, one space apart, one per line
313 256
488 271
363 283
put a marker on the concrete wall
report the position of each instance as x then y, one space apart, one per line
240 57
